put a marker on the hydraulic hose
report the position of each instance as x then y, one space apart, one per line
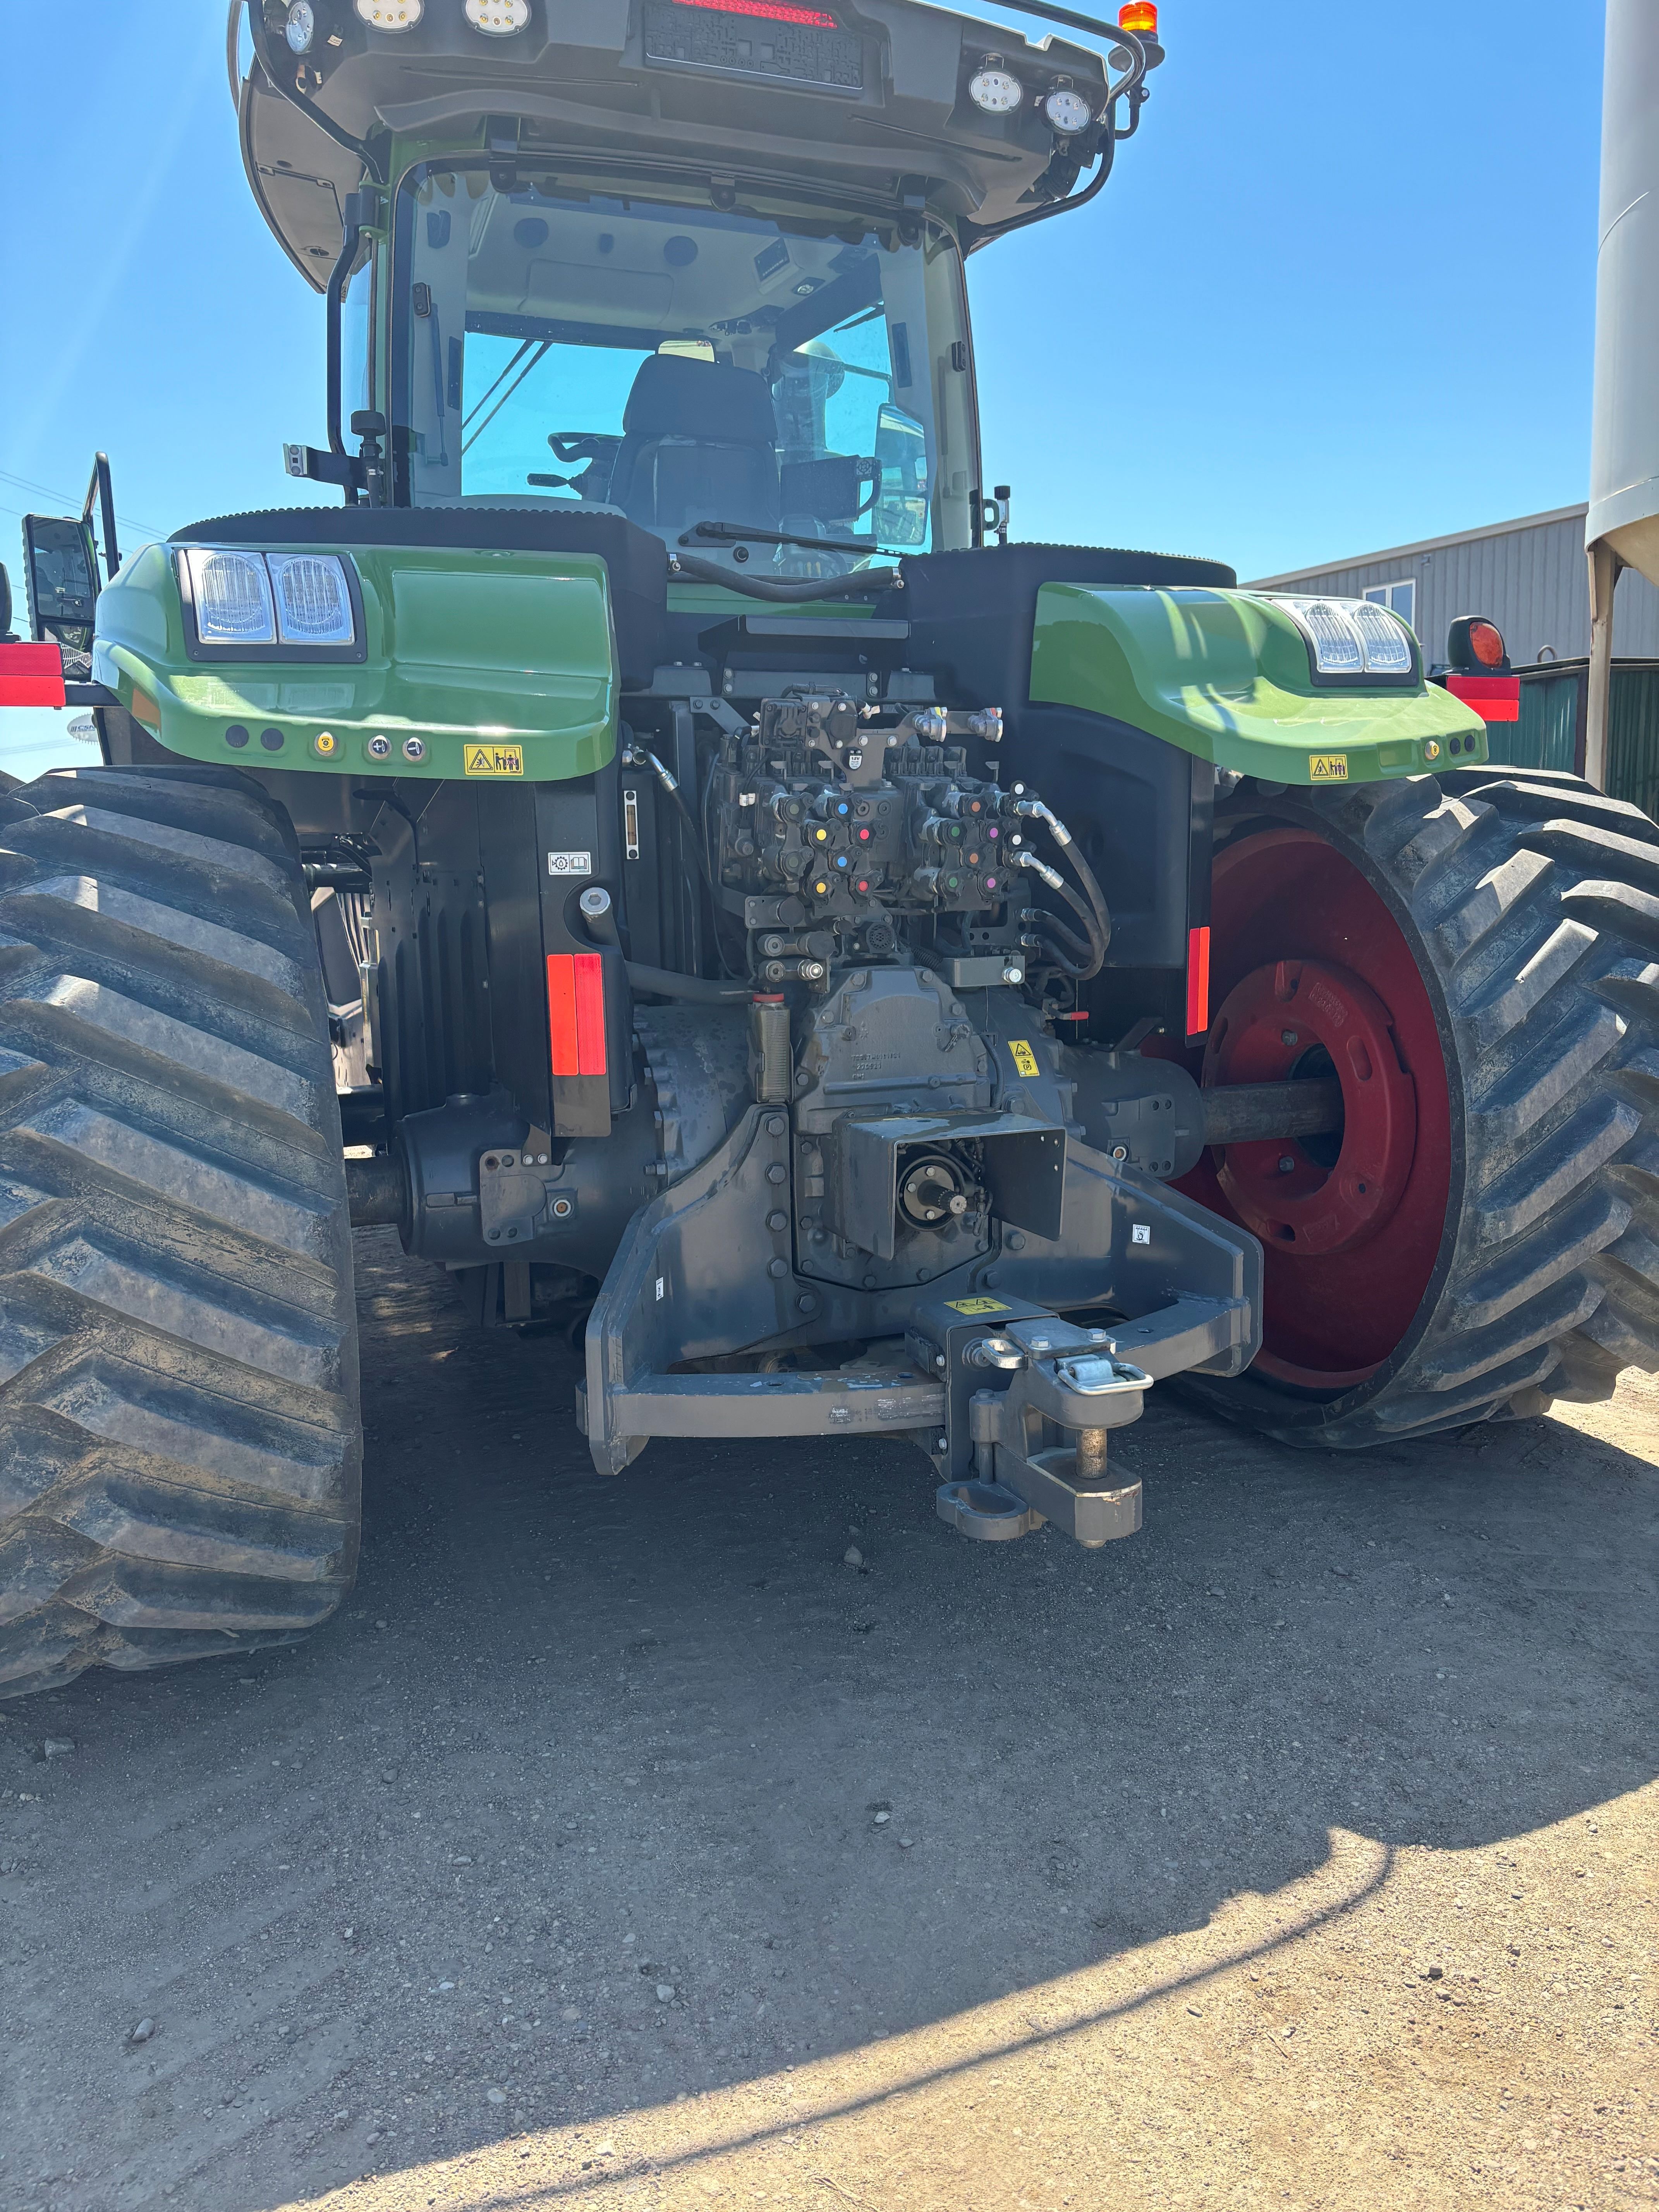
676 797
1034 809
667 983
861 581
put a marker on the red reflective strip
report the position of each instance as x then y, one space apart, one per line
774 11
590 1013
561 1013
1494 698
1198 980
31 675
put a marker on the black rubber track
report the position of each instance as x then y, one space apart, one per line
1532 905
180 1438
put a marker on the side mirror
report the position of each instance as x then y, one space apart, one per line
901 511
61 572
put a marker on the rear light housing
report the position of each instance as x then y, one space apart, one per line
1475 646
1352 640
243 604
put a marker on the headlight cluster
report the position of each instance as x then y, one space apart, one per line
269 598
499 18
1352 638
995 89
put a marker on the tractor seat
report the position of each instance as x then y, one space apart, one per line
699 444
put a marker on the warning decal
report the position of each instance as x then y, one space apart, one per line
492 760
977 1305
1025 1061
1328 768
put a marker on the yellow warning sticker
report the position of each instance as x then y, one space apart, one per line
1025 1061
977 1305
1328 768
493 760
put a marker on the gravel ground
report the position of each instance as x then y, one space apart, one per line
623 1841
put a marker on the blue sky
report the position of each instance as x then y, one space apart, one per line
1340 293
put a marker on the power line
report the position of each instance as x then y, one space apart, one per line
51 491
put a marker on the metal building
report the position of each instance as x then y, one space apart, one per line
1528 576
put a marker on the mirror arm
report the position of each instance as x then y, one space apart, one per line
100 489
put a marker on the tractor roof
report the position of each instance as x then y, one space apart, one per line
864 105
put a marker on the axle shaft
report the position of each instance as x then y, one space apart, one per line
1241 1112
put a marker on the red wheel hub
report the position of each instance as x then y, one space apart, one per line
1305 1016
1313 976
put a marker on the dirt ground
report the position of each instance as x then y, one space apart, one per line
620 1841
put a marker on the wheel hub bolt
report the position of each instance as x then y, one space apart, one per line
1286 1164
1289 1036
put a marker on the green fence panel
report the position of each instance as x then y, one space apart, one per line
1632 737
1547 734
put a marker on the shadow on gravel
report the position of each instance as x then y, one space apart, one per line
598 1791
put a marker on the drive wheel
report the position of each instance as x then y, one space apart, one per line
180 1441
1473 957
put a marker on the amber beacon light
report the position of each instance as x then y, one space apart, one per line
1139 16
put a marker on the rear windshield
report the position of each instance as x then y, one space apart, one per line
683 367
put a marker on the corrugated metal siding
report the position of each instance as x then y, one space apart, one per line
1633 738
1532 583
1546 735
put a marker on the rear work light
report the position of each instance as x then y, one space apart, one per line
232 592
1354 638
772 11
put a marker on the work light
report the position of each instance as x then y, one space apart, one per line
391 15
314 604
300 27
232 593
995 89
499 18
1382 639
1352 638
1067 110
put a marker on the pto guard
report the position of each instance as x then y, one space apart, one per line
1012 1403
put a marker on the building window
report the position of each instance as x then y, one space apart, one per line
1400 597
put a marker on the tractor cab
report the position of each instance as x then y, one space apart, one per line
696 265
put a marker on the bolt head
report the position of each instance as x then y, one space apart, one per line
1286 1164
1289 1036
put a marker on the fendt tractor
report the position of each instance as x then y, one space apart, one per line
656 839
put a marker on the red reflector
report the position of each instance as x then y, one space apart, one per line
774 11
576 1012
31 675
590 1012
1494 698
1198 980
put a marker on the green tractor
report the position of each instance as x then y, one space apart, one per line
658 842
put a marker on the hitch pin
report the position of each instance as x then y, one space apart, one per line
1000 1351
